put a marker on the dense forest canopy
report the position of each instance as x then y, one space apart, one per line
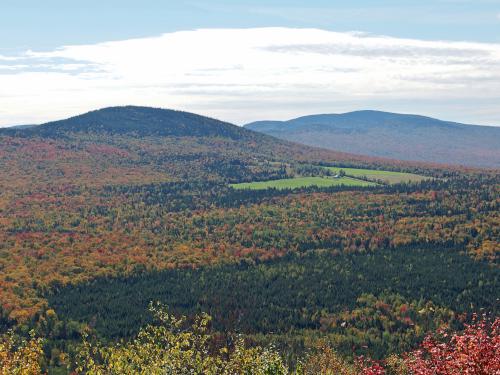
105 212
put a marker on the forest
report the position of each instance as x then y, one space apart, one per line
100 217
299 294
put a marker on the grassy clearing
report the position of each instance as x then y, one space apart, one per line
356 173
386 176
299 182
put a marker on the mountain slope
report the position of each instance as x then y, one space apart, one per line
131 144
138 121
391 135
125 193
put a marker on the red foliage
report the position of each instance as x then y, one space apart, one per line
370 367
107 150
476 351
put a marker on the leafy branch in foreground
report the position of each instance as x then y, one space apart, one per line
171 346
174 346
474 351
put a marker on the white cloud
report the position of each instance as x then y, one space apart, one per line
247 74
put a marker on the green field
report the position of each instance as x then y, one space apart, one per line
299 182
352 179
386 176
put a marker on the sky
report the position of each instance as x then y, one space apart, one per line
243 61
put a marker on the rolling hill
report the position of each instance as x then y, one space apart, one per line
135 121
143 144
139 204
186 159
392 135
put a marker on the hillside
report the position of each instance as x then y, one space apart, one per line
391 135
102 213
135 121
141 144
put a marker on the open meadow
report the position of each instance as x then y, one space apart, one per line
301 182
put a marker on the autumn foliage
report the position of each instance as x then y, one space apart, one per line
475 351
20 356
108 197
173 344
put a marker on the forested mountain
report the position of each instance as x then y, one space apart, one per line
102 213
137 121
140 144
392 135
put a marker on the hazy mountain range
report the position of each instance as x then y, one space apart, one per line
392 135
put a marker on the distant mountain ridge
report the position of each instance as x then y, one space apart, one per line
392 135
135 120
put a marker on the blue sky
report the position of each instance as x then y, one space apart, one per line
33 34
51 23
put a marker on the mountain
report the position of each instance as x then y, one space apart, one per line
392 135
168 144
138 121
103 213
133 144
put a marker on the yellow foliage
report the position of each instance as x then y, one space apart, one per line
20 357
325 361
172 348
488 250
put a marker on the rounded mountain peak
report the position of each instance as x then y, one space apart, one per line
140 121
